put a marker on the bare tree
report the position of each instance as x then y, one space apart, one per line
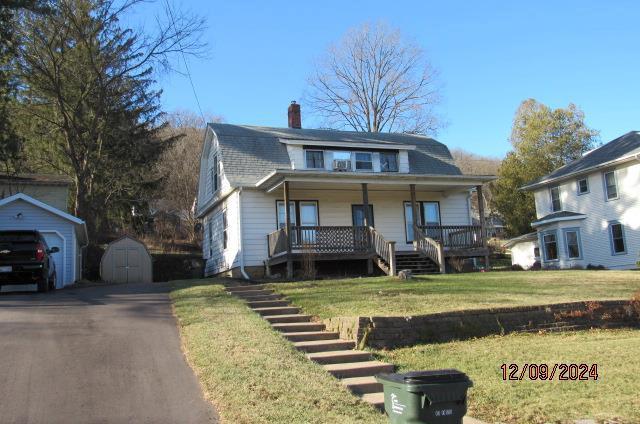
178 166
373 80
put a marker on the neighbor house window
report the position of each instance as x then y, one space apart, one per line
388 162
572 241
215 178
583 186
364 161
315 159
556 205
610 185
224 229
550 244
616 233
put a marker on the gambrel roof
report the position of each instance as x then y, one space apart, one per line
250 153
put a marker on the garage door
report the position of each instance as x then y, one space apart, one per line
54 240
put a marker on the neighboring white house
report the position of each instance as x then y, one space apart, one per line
524 250
351 195
588 211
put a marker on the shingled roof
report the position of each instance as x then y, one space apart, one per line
250 153
625 146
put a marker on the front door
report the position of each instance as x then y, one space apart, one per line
306 213
430 212
357 215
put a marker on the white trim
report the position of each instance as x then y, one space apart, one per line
558 219
239 214
64 253
362 145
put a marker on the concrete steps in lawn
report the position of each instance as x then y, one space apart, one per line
277 310
258 298
375 399
267 303
308 336
339 356
324 345
250 287
287 318
358 369
251 293
362 385
294 327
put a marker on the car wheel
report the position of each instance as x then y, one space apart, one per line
43 286
53 281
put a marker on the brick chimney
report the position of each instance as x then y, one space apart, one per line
295 120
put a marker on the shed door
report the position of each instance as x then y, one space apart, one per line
54 240
127 261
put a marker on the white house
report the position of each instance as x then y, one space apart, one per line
525 250
352 196
588 211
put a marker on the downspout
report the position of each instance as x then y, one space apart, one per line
242 271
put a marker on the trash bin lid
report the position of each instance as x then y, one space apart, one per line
428 377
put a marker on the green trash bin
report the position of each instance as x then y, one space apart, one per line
433 397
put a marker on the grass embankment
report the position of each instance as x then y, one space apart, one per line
613 397
384 296
250 373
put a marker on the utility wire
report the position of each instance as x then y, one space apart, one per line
186 65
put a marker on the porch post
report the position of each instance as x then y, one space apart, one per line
392 258
483 228
287 229
414 210
367 222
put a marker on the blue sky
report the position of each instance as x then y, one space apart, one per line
490 55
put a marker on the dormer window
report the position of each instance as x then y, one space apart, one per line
364 161
388 162
315 159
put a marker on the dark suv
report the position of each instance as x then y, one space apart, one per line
25 258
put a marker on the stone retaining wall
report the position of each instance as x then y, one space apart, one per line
391 332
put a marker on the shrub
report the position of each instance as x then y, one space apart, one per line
516 267
596 267
577 266
635 303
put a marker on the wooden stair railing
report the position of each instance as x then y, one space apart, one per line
385 250
433 249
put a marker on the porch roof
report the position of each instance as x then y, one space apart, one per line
435 181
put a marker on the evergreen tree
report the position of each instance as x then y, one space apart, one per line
543 139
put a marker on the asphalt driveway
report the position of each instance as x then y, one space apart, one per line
106 354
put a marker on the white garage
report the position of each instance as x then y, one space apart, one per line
126 260
60 229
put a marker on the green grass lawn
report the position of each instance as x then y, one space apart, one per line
250 373
384 296
615 396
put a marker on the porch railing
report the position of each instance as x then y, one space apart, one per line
433 249
384 249
455 236
277 242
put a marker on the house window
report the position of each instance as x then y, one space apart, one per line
215 180
550 244
357 215
303 211
388 162
315 159
616 233
225 238
536 252
583 186
364 161
556 205
572 241
430 212
210 238
342 160
610 185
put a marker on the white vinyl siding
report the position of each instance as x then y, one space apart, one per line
220 242
594 230
334 208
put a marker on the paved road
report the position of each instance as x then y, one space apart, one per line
95 355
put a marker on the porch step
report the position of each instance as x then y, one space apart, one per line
416 262
298 326
287 318
324 345
339 356
358 369
274 296
375 399
268 303
236 289
362 385
307 336
251 293
277 310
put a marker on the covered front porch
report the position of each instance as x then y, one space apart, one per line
362 216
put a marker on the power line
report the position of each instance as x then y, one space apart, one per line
186 65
